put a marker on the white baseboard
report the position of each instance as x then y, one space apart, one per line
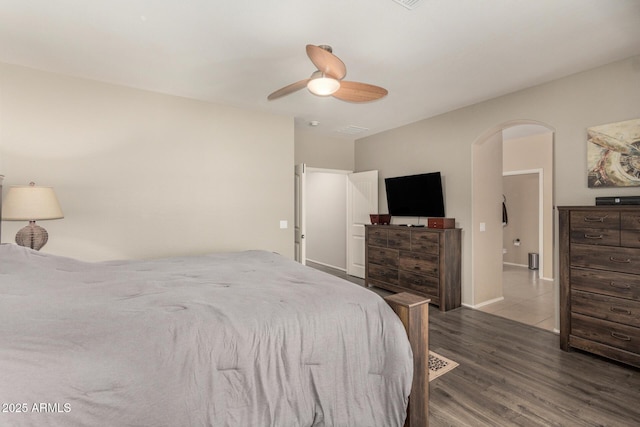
327 265
515 265
482 304
548 279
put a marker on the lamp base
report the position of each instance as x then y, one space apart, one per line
32 236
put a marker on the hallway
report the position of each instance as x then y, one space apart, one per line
527 299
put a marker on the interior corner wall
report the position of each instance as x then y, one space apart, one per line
569 106
320 151
141 174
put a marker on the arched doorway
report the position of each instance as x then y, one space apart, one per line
487 202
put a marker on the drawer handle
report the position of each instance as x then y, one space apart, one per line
620 310
621 261
620 336
619 286
593 236
595 218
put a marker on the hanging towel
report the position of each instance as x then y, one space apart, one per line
505 217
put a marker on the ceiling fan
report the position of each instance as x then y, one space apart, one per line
327 79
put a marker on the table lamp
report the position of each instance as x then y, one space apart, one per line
31 203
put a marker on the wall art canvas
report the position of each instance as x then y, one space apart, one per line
613 154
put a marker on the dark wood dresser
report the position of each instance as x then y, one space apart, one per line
1 178
600 280
419 260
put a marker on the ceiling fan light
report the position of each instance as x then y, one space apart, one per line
323 86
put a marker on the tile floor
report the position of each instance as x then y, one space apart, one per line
527 299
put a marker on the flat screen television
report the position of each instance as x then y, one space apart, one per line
415 195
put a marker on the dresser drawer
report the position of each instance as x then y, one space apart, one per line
425 241
630 220
600 219
630 238
605 332
419 263
605 307
596 236
624 260
420 282
619 285
383 274
399 239
383 256
377 236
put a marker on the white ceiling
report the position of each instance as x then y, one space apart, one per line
443 55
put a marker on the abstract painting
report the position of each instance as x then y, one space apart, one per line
613 154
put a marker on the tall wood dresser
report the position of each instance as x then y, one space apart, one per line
1 178
600 281
419 260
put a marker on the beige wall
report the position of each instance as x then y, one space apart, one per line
536 152
568 106
326 216
520 235
323 152
487 215
140 174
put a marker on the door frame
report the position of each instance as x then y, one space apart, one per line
299 247
300 204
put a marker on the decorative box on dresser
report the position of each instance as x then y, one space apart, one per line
419 260
600 281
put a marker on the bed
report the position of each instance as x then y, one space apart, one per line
231 339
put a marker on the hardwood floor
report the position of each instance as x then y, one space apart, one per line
512 374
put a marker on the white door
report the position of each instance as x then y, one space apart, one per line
299 220
362 200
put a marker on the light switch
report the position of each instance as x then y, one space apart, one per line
483 226
284 223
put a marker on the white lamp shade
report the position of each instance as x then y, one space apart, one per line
31 203
323 86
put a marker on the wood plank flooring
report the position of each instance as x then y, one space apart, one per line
512 374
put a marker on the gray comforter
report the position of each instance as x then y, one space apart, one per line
236 339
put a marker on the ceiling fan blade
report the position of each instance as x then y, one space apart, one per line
288 89
326 62
359 92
